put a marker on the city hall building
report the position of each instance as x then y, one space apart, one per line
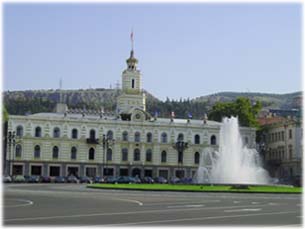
130 142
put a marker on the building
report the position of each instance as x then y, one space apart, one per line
130 142
282 148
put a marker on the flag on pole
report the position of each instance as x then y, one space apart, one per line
131 38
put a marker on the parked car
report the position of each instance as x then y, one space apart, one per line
110 179
160 180
72 179
186 180
18 179
85 179
7 179
34 179
98 179
148 180
60 179
45 179
175 180
137 180
125 180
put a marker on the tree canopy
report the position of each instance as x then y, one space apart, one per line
241 107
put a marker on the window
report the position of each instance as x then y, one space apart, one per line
196 158
109 154
92 134
124 154
56 132
197 139
91 154
74 134
38 132
55 152
246 140
149 137
137 137
164 138
163 157
290 151
290 134
18 150
213 140
110 135
73 153
180 137
136 155
149 155
37 151
125 136
19 131
282 134
132 83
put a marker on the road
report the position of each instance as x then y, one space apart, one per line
74 204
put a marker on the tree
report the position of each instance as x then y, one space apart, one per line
241 107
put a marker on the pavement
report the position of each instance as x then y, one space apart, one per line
76 205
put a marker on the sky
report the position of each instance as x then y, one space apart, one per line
184 50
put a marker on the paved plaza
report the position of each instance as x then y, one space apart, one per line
74 204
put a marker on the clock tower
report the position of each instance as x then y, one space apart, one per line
132 96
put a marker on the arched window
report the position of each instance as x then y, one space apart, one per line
164 137
213 140
73 153
38 132
110 134
56 132
197 139
125 136
136 155
91 153
163 157
149 155
74 134
196 158
124 154
55 152
19 131
37 151
92 134
149 137
137 137
109 154
132 83
180 137
18 150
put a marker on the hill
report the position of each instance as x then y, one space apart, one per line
33 101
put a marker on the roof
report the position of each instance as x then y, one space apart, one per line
75 116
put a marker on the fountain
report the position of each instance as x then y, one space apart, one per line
234 163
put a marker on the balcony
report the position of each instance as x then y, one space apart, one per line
92 141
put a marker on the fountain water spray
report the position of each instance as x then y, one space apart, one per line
234 163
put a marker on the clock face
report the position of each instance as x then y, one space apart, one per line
138 116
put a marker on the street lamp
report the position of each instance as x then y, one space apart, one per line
107 141
180 146
11 141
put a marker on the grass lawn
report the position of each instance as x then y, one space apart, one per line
198 188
